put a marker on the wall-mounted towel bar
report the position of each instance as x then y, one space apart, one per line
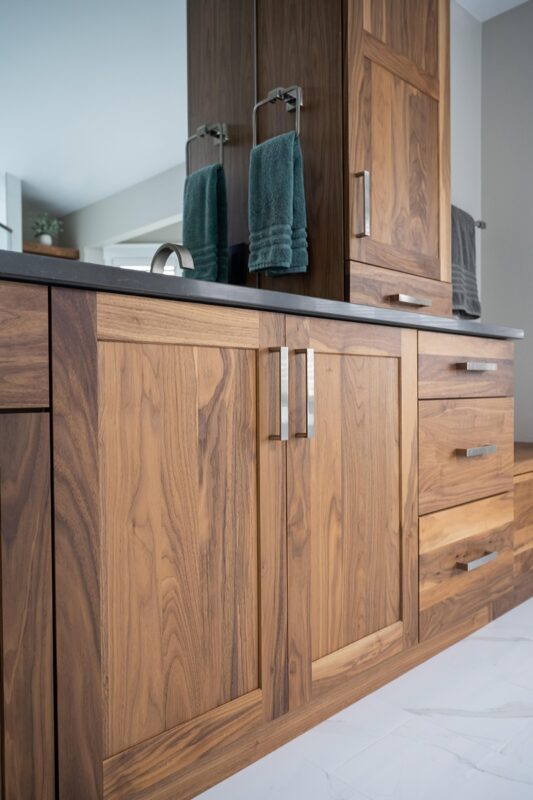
480 223
218 131
292 96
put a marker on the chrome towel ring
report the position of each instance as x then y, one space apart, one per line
218 131
292 96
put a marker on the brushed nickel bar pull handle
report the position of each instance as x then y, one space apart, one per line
477 366
474 452
365 175
409 300
283 434
476 563
309 393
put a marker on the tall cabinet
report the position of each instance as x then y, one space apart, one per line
374 134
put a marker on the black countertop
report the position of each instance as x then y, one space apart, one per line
80 275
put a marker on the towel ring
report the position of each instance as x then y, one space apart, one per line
293 99
218 131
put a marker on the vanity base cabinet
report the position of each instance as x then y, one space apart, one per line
237 551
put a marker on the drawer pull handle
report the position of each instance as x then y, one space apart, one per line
365 175
478 366
476 563
475 452
309 354
283 434
409 300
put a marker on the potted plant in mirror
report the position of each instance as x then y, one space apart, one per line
46 228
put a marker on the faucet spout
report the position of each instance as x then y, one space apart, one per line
163 253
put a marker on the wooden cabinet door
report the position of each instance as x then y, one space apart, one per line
398 135
189 523
352 501
26 635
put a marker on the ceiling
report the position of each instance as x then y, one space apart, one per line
94 96
483 10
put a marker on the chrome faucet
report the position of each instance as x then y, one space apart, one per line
163 253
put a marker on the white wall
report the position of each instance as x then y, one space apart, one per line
466 39
147 206
11 211
507 190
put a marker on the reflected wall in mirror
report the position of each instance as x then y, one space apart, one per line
94 125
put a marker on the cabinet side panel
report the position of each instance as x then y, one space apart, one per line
301 43
77 543
26 585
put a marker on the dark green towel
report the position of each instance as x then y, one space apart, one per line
205 223
276 207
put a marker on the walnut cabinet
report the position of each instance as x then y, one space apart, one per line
237 529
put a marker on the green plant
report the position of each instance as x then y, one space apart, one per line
43 223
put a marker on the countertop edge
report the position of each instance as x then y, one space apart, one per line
97 277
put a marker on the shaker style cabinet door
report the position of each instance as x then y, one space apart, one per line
398 135
188 525
352 501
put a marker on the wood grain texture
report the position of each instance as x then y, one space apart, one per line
458 534
220 79
523 457
402 66
301 43
397 113
179 533
223 761
77 544
375 286
523 511
150 767
447 478
272 487
26 608
352 550
409 29
23 346
127 318
439 357
347 662
393 133
409 487
445 216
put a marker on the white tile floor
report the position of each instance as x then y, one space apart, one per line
459 727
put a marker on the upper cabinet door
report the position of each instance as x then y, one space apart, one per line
398 135
352 507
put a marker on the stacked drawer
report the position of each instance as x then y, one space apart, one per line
466 432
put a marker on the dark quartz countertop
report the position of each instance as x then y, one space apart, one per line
81 275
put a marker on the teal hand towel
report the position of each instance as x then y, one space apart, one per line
276 207
205 223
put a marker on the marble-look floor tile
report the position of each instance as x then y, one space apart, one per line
341 737
458 727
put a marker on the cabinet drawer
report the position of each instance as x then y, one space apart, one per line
23 345
466 561
463 366
454 467
387 288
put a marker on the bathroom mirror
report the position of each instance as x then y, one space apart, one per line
94 125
